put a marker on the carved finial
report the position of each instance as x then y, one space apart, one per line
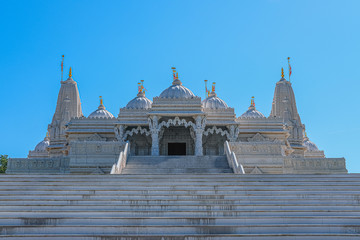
176 77
306 134
282 72
174 72
141 88
213 87
252 101
101 106
70 73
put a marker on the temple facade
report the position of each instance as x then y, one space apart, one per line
177 123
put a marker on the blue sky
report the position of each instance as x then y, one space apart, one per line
241 45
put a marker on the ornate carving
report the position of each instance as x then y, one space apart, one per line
258 138
216 130
95 137
136 131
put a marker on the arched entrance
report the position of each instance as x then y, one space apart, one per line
177 140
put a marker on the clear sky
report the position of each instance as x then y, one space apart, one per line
241 45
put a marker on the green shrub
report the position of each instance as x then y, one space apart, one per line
3 161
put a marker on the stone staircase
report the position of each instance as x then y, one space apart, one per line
176 165
179 206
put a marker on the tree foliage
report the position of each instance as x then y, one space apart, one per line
4 160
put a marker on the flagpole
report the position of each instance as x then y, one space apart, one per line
289 68
62 67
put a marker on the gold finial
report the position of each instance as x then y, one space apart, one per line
101 100
282 72
70 73
175 74
252 101
213 87
305 134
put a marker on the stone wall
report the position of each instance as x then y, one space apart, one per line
36 166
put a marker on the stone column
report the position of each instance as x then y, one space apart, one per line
155 143
154 128
199 134
198 142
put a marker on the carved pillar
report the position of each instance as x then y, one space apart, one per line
154 129
119 133
155 143
199 130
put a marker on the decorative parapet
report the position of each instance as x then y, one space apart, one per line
38 165
314 165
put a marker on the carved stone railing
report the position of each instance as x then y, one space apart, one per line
315 165
121 163
38 165
232 160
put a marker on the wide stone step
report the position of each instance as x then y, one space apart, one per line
255 202
181 208
103 189
122 221
208 229
306 236
177 182
179 213
279 195
185 177
175 170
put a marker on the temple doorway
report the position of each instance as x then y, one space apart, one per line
176 148
176 140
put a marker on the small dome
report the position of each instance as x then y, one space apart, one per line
214 102
177 90
101 112
252 112
140 102
310 146
41 146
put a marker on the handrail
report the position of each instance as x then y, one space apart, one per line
232 160
121 163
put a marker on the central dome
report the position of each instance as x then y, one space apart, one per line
177 90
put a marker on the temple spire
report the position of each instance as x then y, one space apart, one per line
68 106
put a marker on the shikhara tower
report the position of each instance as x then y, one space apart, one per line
178 122
68 106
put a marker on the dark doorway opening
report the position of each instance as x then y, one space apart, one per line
176 148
